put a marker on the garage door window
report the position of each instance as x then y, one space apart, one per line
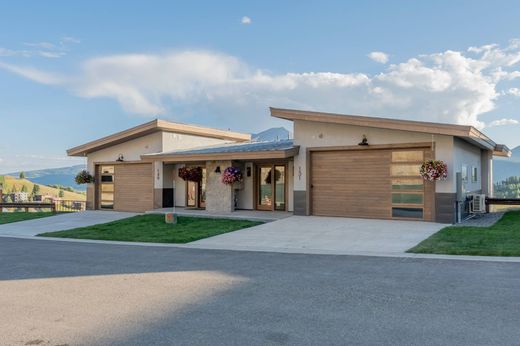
107 187
407 185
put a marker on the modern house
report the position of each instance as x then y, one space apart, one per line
336 165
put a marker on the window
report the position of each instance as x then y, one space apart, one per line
407 156
474 174
405 170
464 172
407 185
106 187
408 213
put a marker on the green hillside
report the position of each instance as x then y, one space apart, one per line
10 183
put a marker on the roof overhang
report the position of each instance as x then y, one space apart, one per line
249 155
501 150
156 125
467 133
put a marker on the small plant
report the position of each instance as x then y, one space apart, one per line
434 170
190 174
84 177
232 175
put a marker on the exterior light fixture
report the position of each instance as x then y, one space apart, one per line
120 158
364 141
217 170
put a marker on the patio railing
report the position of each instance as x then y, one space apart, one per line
61 206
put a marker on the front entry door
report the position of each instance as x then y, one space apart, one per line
271 187
196 192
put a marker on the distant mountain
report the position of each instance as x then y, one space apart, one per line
507 167
272 134
55 176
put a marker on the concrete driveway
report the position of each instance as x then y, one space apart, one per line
326 235
60 222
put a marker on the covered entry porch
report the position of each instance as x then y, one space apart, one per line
266 168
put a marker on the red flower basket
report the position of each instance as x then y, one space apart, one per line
190 174
434 170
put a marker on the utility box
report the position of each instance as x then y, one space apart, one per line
170 218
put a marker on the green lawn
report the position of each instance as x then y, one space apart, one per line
152 228
501 239
6 217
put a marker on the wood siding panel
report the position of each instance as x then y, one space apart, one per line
357 183
133 187
351 183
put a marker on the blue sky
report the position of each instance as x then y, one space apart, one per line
71 72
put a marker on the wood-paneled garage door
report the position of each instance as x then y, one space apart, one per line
382 183
125 187
133 187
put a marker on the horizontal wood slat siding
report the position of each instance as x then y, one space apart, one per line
133 187
351 183
357 183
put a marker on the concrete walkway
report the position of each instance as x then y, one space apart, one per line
254 215
332 235
61 222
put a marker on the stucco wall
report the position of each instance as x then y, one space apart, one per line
175 141
245 195
131 150
180 188
467 155
315 134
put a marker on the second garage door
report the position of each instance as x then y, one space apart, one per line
133 187
125 187
370 183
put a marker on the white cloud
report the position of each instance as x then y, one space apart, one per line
41 49
246 20
449 86
69 40
379 57
514 91
503 122
33 74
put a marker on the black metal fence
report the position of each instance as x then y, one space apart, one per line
60 206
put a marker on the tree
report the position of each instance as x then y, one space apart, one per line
22 175
61 194
24 188
36 189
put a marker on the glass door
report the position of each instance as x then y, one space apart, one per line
271 187
196 192
279 187
265 188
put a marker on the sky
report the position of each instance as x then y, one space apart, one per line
74 71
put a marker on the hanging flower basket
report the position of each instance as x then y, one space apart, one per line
232 175
434 170
84 177
190 174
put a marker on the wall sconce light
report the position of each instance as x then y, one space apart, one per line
248 171
364 141
217 170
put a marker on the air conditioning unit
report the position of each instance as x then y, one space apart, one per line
477 204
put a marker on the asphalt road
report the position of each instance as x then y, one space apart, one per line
57 293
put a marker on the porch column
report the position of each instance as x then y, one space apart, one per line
219 196
486 172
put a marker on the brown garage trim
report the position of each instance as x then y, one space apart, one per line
310 150
375 146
